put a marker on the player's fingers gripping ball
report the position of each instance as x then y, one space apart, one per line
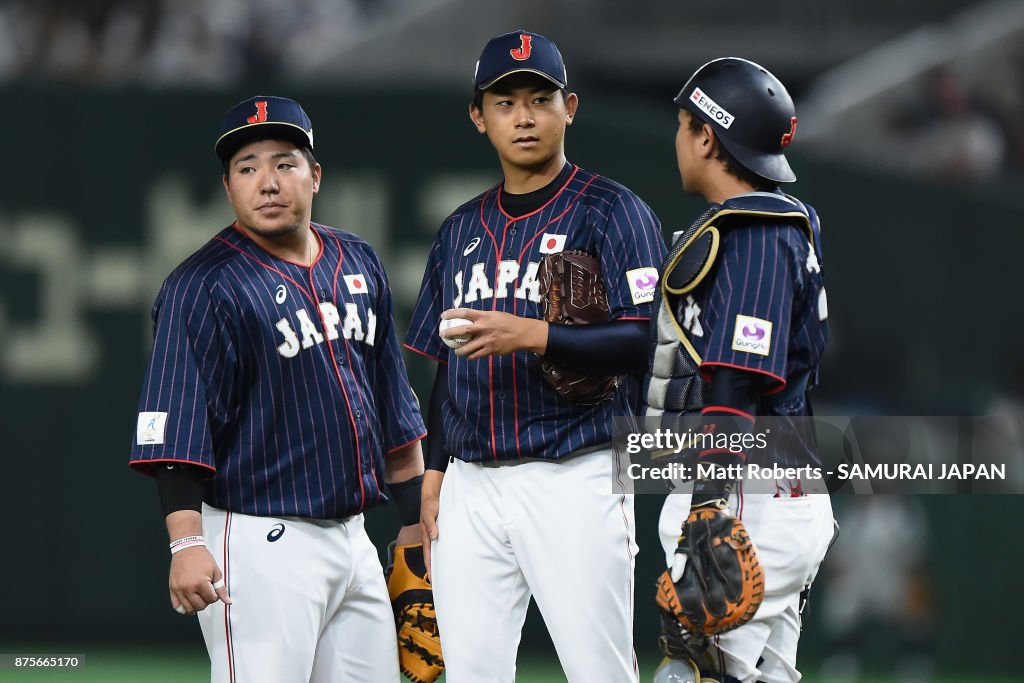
723 582
457 341
412 599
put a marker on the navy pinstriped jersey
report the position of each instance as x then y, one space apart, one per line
286 382
763 307
500 408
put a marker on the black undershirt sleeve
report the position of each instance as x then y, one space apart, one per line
613 348
733 388
437 457
181 486
730 411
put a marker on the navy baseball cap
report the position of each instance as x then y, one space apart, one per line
261 118
516 52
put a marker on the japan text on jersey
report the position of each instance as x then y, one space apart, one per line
287 382
500 407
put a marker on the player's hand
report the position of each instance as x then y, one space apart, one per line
430 497
193 575
496 333
409 535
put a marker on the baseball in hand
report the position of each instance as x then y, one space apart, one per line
455 342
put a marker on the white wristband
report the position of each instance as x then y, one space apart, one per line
190 544
186 542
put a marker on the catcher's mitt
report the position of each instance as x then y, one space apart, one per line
722 583
572 293
412 599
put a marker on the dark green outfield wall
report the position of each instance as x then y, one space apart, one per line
103 193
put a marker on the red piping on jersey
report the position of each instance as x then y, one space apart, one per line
494 241
494 306
490 387
294 263
241 251
727 409
227 608
497 271
515 388
559 216
780 380
424 353
575 169
143 466
404 445
337 372
627 317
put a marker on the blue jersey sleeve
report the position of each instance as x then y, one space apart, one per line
190 379
631 249
750 304
426 317
398 408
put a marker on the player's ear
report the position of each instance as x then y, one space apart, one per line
708 141
227 186
317 173
477 117
572 103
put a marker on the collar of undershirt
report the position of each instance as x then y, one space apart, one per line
517 205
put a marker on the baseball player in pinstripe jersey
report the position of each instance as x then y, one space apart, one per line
740 328
274 411
520 479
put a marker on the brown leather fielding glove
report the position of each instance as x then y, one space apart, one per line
412 599
722 583
572 293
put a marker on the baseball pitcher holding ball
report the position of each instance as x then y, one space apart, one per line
550 276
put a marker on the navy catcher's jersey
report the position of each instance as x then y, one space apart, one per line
286 382
763 307
500 408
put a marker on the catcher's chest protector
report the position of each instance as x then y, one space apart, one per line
675 386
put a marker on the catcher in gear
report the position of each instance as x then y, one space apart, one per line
412 598
739 330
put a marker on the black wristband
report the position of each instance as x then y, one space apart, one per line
715 492
406 495
181 487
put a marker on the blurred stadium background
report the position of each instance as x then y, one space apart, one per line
910 144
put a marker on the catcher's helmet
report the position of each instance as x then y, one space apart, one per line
750 111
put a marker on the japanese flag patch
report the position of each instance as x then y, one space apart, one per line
642 284
151 429
356 284
752 335
551 243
